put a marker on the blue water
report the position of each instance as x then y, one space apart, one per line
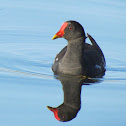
27 83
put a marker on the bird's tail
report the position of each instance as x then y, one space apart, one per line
94 42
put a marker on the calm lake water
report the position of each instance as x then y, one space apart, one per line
27 83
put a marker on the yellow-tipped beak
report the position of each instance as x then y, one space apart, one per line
50 108
55 37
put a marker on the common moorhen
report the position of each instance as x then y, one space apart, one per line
78 57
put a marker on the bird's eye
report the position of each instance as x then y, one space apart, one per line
70 28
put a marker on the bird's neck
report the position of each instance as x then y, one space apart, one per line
72 93
72 96
75 52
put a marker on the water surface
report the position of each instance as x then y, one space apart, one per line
27 83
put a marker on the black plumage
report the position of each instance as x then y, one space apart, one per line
78 57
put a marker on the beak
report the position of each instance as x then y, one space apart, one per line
60 33
50 108
55 37
55 111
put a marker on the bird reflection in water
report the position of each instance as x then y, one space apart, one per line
72 97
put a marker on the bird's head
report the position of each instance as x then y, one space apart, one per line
70 30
